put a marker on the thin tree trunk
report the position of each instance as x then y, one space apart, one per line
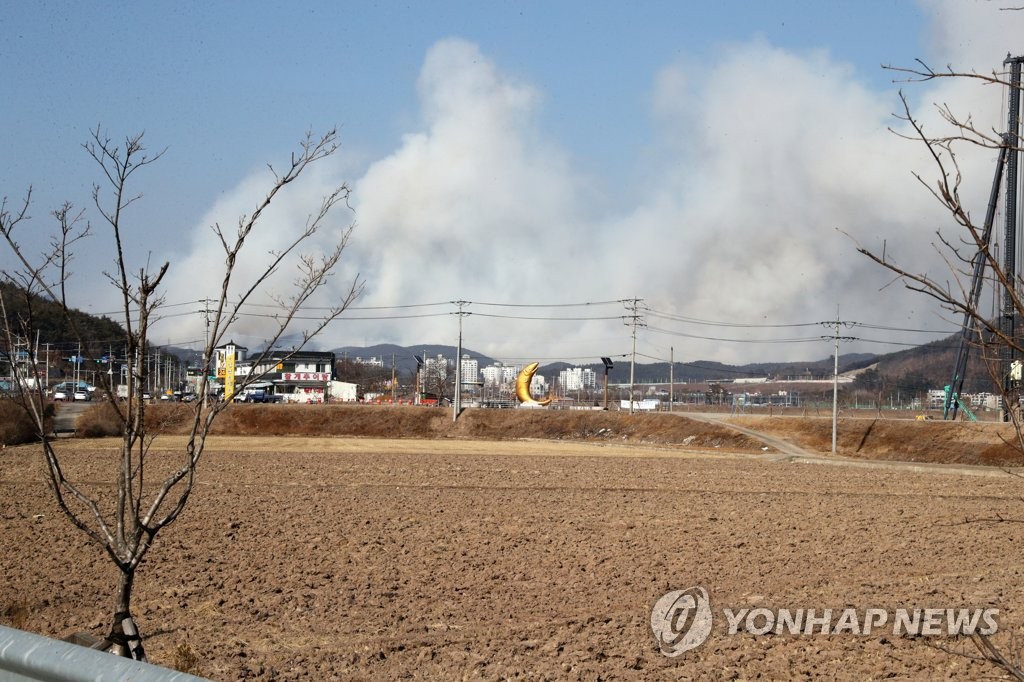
124 636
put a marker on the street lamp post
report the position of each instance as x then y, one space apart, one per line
607 366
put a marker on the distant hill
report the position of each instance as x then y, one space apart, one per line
404 358
49 322
928 365
933 362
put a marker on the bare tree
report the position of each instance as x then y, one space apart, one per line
438 378
126 526
971 260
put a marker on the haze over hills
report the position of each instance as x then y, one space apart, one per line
933 363
404 359
927 365
930 365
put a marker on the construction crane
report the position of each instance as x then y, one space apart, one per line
955 400
1005 164
969 328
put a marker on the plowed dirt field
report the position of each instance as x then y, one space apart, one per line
460 558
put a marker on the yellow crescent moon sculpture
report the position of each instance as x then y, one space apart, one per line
523 386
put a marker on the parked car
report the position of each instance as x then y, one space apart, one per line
60 396
82 395
256 395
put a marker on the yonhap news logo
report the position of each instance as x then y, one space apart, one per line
681 620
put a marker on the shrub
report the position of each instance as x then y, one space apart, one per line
16 426
99 420
169 417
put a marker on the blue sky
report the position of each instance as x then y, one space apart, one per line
604 150
230 84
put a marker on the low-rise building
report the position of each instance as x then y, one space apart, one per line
289 376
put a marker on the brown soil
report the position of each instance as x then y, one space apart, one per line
468 556
981 443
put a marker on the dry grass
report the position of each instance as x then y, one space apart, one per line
991 444
330 420
102 419
988 443
478 424
16 427
186 660
99 420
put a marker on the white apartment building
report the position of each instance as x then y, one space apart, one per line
470 370
491 375
435 368
577 378
510 372
499 374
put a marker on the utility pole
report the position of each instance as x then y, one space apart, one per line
632 305
1009 311
457 403
835 388
671 377
392 378
205 378
110 370
835 374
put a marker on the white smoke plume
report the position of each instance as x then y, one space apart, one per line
770 167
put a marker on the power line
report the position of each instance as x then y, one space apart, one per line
547 305
728 340
553 319
583 358
635 308
373 307
867 325
647 310
714 323
343 316
766 325
903 343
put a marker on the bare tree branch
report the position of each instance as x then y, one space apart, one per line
961 256
142 508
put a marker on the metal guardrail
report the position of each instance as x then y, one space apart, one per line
25 656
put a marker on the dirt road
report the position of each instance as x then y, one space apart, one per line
787 448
